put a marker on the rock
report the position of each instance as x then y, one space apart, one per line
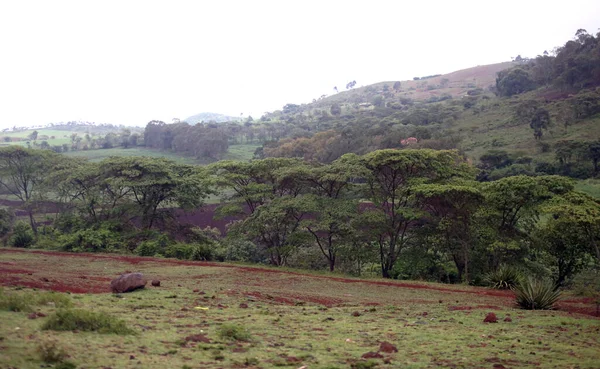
387 347
32 316
243 306
372 355
490 318
155 283
356 313
128 282
508 319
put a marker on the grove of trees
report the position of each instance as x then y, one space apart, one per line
412 213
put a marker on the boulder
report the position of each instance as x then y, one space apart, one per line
155 283
128 282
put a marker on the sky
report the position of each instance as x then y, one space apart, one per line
128 61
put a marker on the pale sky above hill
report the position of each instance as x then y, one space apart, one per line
128 62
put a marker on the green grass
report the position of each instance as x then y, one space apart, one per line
589 186
288 325
98 155
241 152
27 301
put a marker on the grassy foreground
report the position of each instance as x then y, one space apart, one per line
223 316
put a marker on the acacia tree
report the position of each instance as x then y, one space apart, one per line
512 213
265 193
22 174
451 209
332 207
392 176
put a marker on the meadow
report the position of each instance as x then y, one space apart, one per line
213 315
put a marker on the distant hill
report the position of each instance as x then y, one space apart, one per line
210 117
455 84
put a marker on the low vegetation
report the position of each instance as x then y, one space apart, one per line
87 321
536 294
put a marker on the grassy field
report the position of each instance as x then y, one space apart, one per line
207 315
241 152
98 155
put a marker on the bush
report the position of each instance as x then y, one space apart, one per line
92 240
25 301
536 294
83 320
22 235
233 333
50 353
504 278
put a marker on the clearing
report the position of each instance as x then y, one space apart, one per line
293 319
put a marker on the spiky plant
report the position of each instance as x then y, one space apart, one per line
504 278
536 294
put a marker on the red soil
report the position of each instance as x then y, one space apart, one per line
13 275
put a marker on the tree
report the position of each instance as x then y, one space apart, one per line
350 85
451 209
392 175
33 135
538 117
513 81
336 109
22 174
397 85
332 208
155 183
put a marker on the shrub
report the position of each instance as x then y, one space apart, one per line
22 235
504 278
83 320
50 353
233 333
536 294
24 301
14 302
92 240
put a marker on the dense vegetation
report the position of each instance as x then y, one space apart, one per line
414 213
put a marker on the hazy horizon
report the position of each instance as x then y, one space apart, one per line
131 62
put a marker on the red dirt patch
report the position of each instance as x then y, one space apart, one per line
16 274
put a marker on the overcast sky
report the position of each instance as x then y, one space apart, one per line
128 62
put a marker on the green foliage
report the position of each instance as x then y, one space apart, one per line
7 218
50 353
514 81
25 301
83 320
22 235
536 294
92 240
505 277
233 332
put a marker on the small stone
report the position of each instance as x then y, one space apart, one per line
131 357
155 283
387 347
32 316
508 319
196 290
243 306
490 318
356 313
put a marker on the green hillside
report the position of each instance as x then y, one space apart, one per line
210 117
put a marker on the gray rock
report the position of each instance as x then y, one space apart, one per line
128 282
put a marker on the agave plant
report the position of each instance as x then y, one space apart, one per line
536 294
504 278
